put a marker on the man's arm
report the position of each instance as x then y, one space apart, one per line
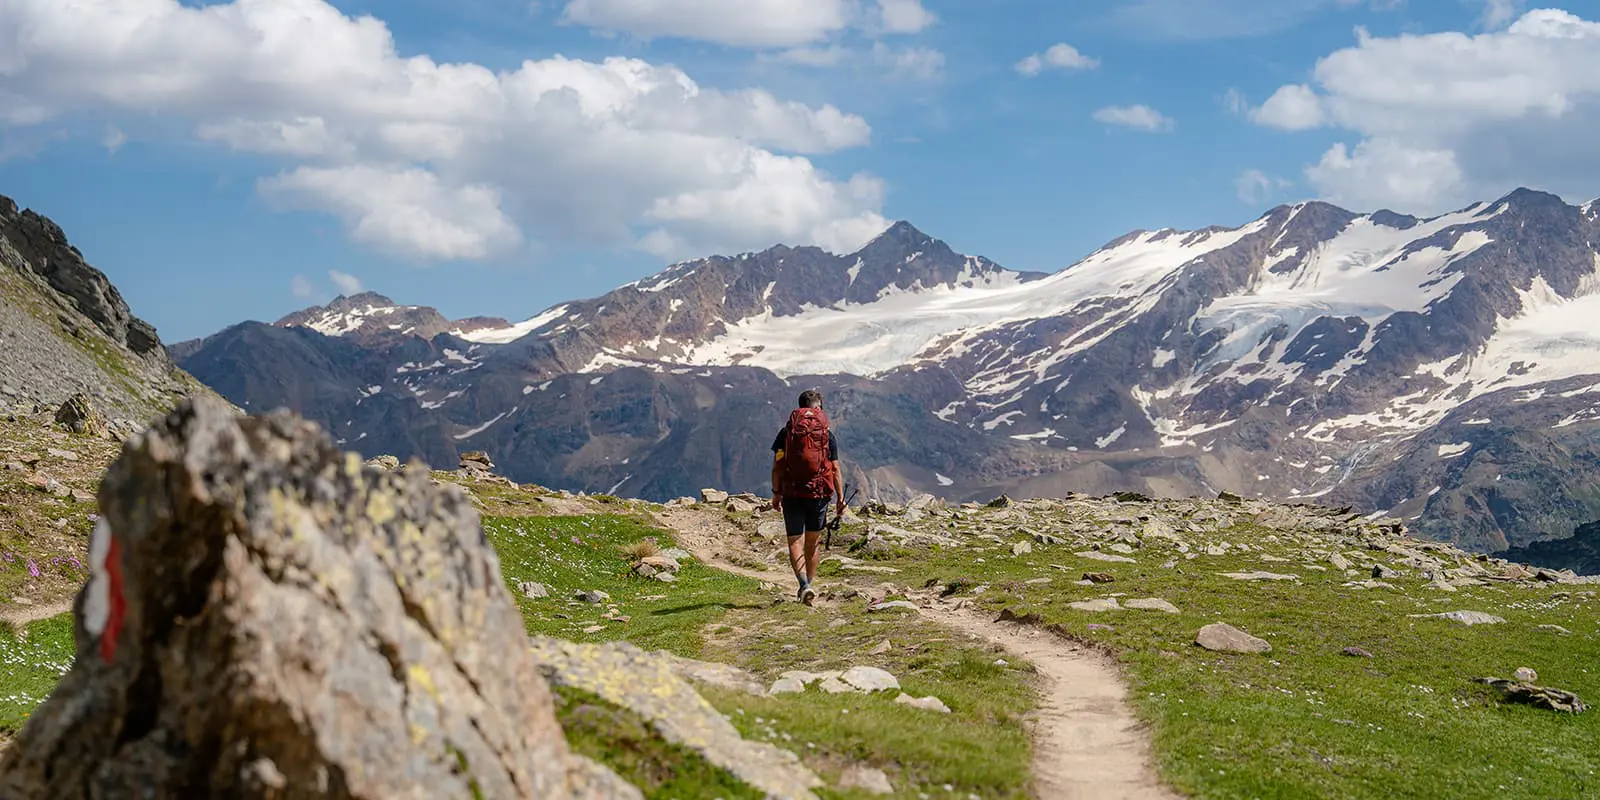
838 485
777 479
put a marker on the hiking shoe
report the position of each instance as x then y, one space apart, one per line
808 595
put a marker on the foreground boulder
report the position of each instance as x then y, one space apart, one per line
267 618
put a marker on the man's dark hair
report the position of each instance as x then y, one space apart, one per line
811 398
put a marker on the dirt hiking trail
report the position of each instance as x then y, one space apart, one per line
20 617
1087 743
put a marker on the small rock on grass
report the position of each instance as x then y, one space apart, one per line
1098 604
1463 617
1356 652
1555 629
1224 638
866 779
532 590
1151 604
929 703
787 686
1525 674
870 679
883 647
1099 577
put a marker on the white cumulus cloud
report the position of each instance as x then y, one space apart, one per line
348 284
301 288
1057 56
741 23
1443 119
449 160
1138 117
904 16
1256 187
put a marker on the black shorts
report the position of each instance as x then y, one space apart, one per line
805 514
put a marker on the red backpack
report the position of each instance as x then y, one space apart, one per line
806 470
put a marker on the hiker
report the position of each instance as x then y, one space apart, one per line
805 476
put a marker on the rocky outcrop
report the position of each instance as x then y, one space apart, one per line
44 248
65 330
266 617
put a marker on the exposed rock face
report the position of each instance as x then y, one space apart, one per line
44 248
269 618
65 330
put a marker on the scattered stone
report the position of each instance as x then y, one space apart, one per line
594 629
1382 572
1537 696
925 703
1356 652
870 679
713 496
1097 604
533 590
64 455
666 577
661 562
1021 549
78 415
81 496
390 463
1096 555
1463 617
1099 577
1048 539
1216 550
999 502
1259 576
1151 604
1338 561
1525 674
833 685
677 554
1224 638
1555 629
1119 547
866 779
787 686
888 604
592 596
1229 497
883 647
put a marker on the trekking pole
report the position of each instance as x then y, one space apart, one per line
838 521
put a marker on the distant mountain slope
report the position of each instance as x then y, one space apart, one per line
64 329
1439 369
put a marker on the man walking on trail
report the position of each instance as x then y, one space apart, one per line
805 476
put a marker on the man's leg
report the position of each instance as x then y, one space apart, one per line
813 554
794 524
797 558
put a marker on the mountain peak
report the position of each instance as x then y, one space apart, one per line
899 234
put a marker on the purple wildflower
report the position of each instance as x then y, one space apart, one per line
33 568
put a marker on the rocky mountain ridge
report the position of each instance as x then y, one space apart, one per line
1438 369
66 330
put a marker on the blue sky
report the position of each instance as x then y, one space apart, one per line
231 161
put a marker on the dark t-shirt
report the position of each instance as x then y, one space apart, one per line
783 436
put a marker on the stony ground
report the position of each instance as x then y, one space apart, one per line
1216 648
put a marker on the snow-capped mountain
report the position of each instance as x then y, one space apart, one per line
1436 368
